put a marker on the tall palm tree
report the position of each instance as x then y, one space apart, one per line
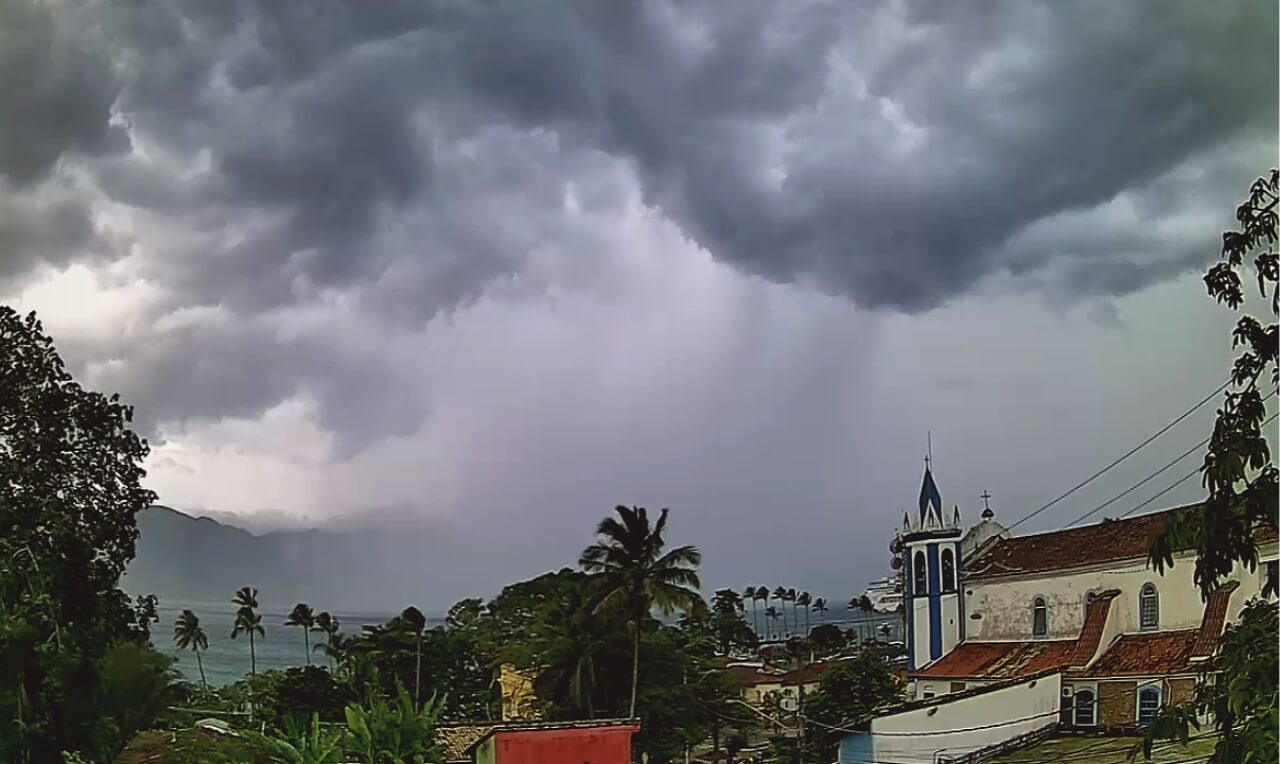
328 625
780 594
188 635
804 600
820 607
415 621
762 593
638 576
749 594
771 613
791 598
248 621
302 615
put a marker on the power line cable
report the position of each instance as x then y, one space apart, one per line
1131 452
1150 477
1182 479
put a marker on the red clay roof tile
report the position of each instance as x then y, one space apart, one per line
999 660
1156 653
1095 620
1107 541
1215 616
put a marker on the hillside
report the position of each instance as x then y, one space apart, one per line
184 558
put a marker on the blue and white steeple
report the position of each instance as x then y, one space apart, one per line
931 565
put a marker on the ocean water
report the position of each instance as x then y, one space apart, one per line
227 660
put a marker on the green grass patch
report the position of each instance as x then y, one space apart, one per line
1103 750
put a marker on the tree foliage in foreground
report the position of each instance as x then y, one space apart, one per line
70 490
846 695
1239 688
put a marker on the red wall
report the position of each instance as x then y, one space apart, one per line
603 745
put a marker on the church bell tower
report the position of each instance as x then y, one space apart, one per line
933 602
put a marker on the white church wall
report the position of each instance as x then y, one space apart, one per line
920 630
957 726
1004 606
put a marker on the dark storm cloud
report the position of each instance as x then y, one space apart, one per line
408 155
57 87
885 153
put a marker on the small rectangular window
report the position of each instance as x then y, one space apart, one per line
1271 578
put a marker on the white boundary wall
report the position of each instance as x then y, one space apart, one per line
959 726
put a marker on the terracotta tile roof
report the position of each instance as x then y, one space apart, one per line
1215 616
1107 541
748 676
805 675
1002 660
1095 620
456 739
1156 653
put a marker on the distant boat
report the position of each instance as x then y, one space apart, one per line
885 594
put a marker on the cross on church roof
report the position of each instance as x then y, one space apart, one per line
986 499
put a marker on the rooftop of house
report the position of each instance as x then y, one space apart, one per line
456 740
629 725
999 660
1083 546
1155 653
751 675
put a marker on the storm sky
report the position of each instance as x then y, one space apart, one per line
501 265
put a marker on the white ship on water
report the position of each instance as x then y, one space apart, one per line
885 594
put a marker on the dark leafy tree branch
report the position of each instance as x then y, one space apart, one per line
1238 690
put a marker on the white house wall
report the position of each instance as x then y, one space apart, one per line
957 726
1004 605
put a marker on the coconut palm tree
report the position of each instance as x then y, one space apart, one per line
302 615
327 625
804 600
637 575
780 594
820 607
188 635
749 594
771 613
570 641
248 621
415 621
762 593
791 597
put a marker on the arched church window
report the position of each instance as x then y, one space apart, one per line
1039 617
948 571
1085 706
921 575
1148 607
1148 704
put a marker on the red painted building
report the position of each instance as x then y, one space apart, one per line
587 742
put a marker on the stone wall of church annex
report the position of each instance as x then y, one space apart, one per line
1001 609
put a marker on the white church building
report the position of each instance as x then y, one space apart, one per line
1014 636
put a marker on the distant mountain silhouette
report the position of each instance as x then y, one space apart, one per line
182 558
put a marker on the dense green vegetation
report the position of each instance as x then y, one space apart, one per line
76 672
1239 689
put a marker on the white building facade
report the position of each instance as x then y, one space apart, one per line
984 607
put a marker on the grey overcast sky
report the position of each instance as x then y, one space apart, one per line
500 265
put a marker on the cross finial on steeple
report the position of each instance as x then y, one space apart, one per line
927 459
986 499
